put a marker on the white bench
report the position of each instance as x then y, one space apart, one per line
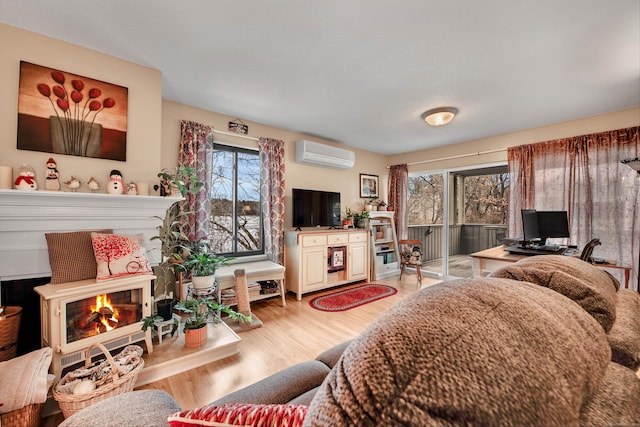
255 271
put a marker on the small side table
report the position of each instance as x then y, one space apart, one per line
163 328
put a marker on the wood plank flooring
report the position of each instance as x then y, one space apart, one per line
290 335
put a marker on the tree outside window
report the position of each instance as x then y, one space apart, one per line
236 217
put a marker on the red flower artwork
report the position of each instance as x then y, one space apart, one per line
72 113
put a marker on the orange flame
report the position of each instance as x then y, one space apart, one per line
102 301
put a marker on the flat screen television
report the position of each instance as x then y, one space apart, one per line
314 208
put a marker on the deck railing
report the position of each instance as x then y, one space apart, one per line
464 239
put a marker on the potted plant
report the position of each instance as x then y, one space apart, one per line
368 204
347 221
175 244
202 263
181 181
382 206
361 219
198 311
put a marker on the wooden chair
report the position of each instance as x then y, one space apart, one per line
411 256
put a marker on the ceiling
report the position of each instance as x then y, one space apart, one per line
361 72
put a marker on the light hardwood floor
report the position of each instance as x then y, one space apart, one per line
290 335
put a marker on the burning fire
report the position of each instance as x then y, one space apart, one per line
103 313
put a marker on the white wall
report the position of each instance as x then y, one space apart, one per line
615 120
346 182
144 113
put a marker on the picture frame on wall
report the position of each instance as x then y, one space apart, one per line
64 113
369 186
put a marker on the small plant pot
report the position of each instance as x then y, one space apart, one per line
165 308
203 282
195 338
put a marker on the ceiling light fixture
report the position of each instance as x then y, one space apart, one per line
439 116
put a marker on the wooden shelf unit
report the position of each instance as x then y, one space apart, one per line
308 259
385 256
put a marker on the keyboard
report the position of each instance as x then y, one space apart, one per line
519 250
546 248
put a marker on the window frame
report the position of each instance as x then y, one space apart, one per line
234 149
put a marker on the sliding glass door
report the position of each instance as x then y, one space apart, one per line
455 213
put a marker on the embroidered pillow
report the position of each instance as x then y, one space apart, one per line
240 414
71 256
118 255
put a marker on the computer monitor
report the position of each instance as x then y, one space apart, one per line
529 226
552 224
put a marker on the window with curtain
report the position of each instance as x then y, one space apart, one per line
236 216
584 176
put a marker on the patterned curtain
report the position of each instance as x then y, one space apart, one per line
272 192
398 183
583 175
196 145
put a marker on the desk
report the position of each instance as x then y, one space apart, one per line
489 260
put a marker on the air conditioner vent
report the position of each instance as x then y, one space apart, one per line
316 154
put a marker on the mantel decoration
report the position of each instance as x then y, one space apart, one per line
64 113
26 179
368 185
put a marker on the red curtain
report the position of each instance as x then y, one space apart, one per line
272 158
584 176
398 183
194 150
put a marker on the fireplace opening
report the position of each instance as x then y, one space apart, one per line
102 313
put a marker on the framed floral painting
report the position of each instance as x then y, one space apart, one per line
64 113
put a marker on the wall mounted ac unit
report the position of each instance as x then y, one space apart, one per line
313 153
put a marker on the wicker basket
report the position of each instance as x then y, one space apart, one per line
9 329
29 416
120 383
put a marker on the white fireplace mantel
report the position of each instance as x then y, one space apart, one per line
25 217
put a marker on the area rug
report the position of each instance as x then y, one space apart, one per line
352 297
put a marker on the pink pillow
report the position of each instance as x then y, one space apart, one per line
241 414
118 256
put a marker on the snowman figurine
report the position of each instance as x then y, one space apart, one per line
115 184
26 179
52 180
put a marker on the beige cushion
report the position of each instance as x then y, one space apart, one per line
468 352
591 287
71 256
624 336
616 401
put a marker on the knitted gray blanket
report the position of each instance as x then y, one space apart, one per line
473 352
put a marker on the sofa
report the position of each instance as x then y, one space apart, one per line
547 341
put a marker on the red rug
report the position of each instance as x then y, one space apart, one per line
351 298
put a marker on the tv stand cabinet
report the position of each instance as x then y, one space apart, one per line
317 260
